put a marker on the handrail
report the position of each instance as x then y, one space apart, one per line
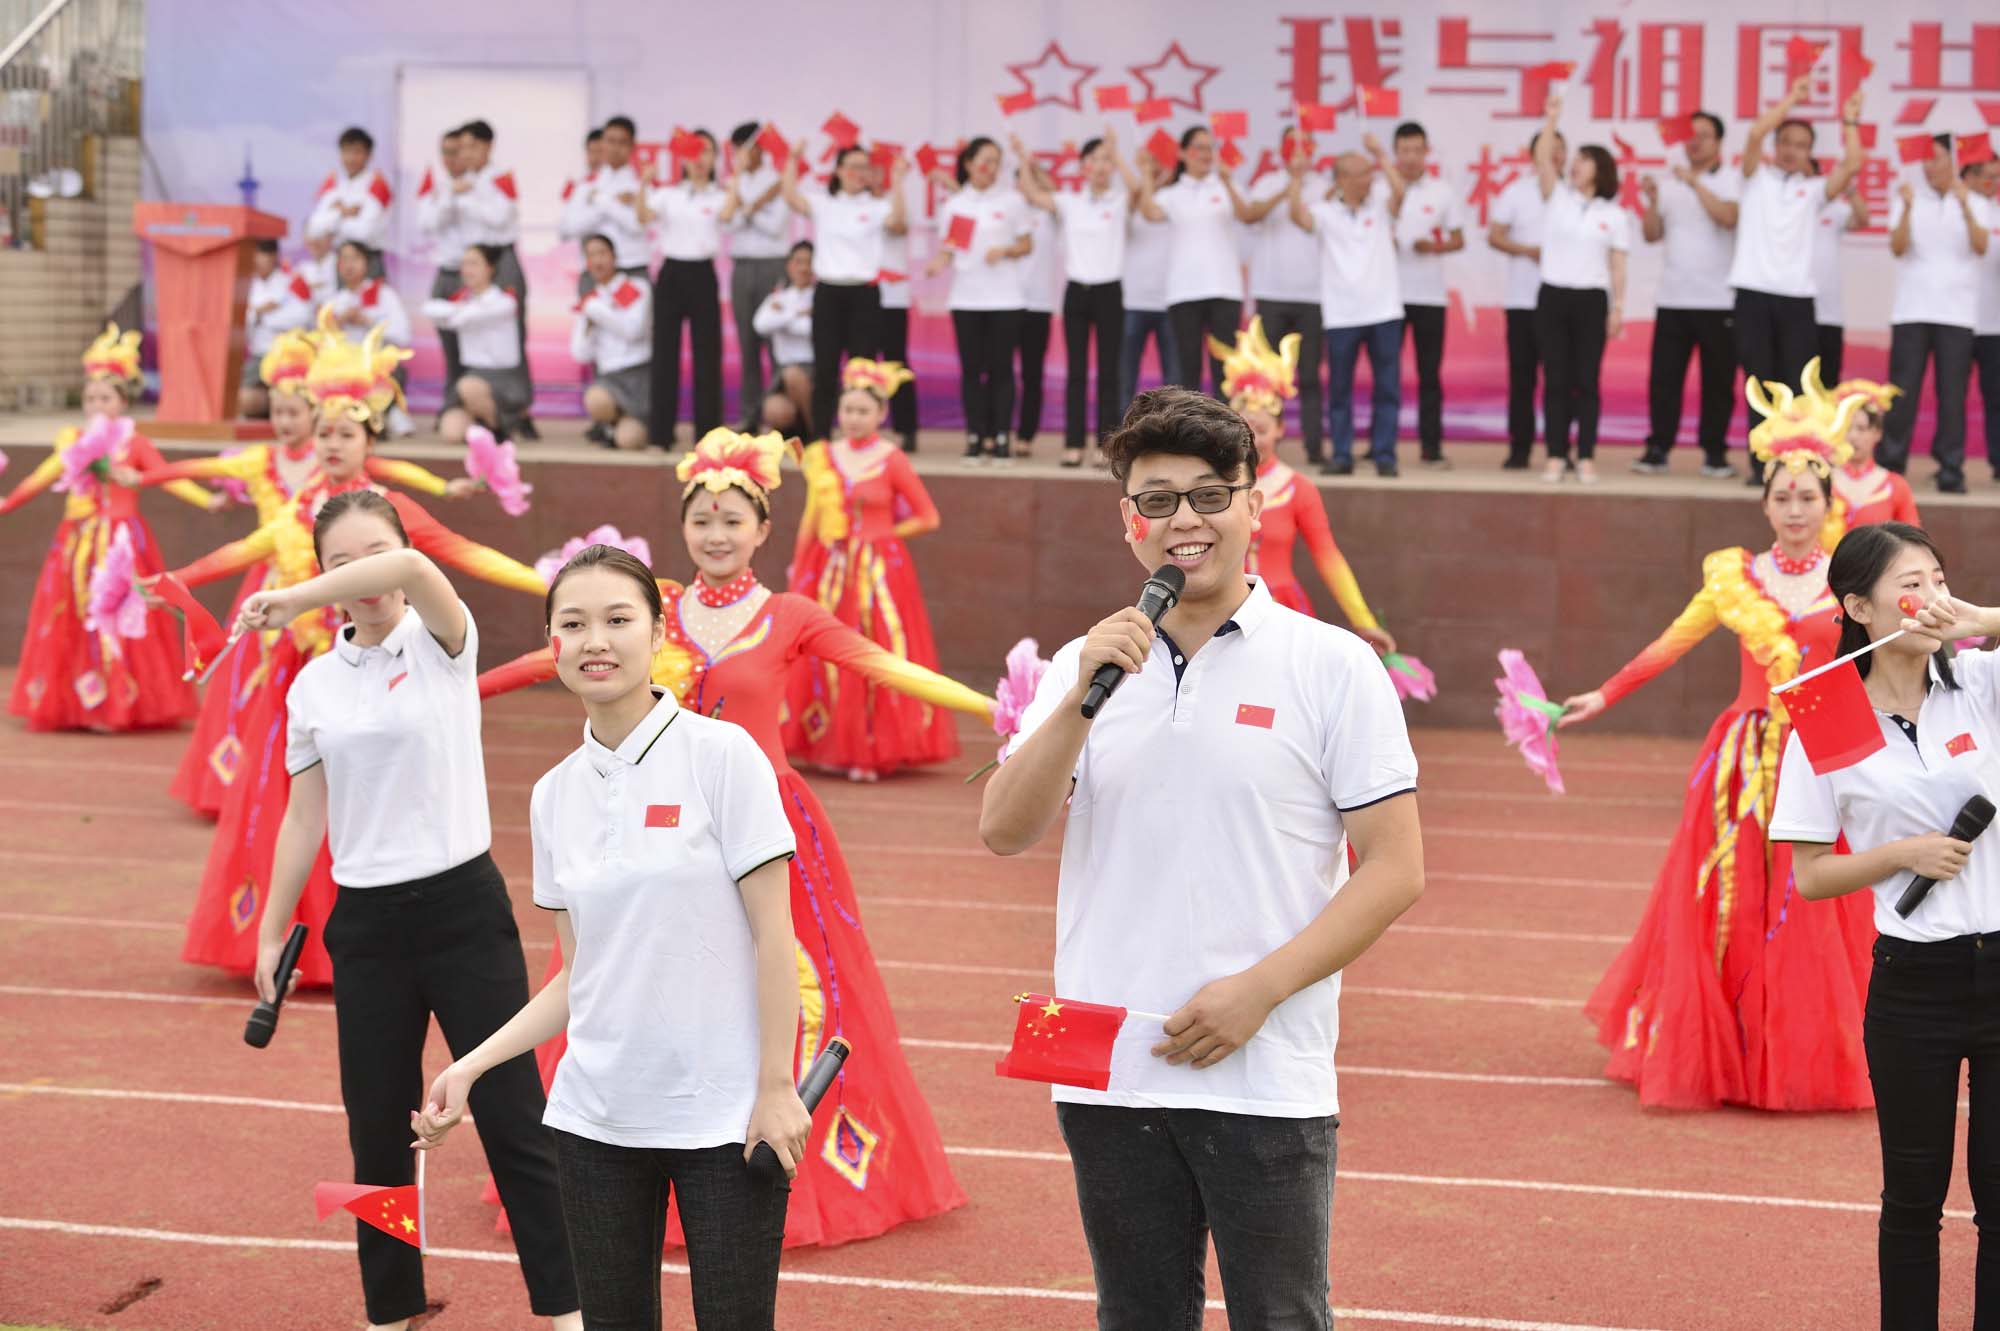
32 31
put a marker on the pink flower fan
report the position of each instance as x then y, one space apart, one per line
229 485
551 563
116 608
1527 717
1025 668
93 450
494 465
1412 678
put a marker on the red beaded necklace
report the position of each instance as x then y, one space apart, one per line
1794 567
729 593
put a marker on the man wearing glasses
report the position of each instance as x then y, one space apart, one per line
1204 874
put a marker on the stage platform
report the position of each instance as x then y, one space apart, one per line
1459 563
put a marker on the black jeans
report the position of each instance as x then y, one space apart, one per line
1424 325
1832 353
1140 325
1099 308
1677 335
1302 317
1569 325
895 325
509 275
446 945
1932 1007
1775 336
614 1201
1194 322
685 291
444 286
1034 360
1152 1185
1524 361
847 321
1986 355
986 343
1948 350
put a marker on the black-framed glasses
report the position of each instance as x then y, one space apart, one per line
1202 499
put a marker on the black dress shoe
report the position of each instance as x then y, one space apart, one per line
1389 468
526 429
598 433
1515 462
1950 485
1337 467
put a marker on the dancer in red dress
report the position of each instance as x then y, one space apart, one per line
875 1158
864 500
351 390
1865 491
1735 989
73 676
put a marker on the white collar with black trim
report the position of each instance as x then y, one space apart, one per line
635 746
354 653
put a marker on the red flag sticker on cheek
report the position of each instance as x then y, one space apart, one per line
555 647
1909 605
1141 527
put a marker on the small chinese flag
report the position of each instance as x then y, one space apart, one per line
1974 148
1314 116
1854 69
1829 708
394 1211
1229 124
1114 97
958 235
684 146
1555 71
1676 129
1062 1041
1911 148
201 636
1153 108
663 815
1016 101
1164 150
774 145
844 132
1960 745
886 155
1250 714
1375 101
929 159
1231 155
1801 54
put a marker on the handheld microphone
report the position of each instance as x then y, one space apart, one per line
1160 594
263 1022
1971 821
764 1160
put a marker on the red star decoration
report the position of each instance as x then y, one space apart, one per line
1174 77
1045 75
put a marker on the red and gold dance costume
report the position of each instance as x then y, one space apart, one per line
1735 989
863 500
1258 377
222 929
69 677
1868 492
875 1158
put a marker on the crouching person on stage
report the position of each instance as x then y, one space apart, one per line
662 846
1204 875
613 334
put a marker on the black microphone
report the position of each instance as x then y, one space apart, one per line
1160 594
1971 821
764 1160
263 1022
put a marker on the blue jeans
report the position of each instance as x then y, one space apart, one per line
1139 324
1343 347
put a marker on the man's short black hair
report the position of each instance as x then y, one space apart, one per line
1714 120
594 136
624 123
266 245
1185 422
744 132
1410 129
354 135
480 130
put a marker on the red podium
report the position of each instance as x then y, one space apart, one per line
201 273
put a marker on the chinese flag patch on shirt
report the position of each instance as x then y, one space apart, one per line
1960 745
1249 714
663 815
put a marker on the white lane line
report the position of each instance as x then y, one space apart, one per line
1518 935
139 996
885 1284
1454 996
94 922
153 863
167 1097
1536 880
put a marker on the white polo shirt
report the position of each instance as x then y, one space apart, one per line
687 222
488 336
1905 790
398 728
1774 227
786 318
644 845
1093 234
1829 290
1146 246
1430 205
765 233
1937 278
1284 260
999 218
1358 282
1521 208
1202 262
847 236
1578 236
613 328
1205 832
1694 268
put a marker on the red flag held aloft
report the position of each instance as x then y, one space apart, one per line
1229 124
1801 54
1836 723
1062 1041
1676 129
1114 97
1974 149
774 145
1153 108
1374 101
1164 150
844 132
201 636
1914 148
1314 116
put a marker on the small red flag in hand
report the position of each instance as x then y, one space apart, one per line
685 145
1062 1041
201 636
1314 116
1231 156
844 132
1911 148
929 159
1164 150
1229 124
1114 97
774 145
1016 101
1153 108
1374 101
394 1211
1974 149
1676 129
1854 69
958 235
885 156
1554 71
1836 723
1801 54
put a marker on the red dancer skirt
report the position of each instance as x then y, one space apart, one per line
1290 593
1735 989
222 930
215 751
843 722
875 1158
72 679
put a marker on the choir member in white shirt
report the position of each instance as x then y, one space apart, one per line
1284 279
317 268
279 299
1516 231
1143 287
495 390
1694 212
353 202
607 203
987 298
1204 273
897 293
362 302
688 217
446 229
613 334
1430 226
850 226
493 206
1836 218
572 223
1938 231
759 237
784 320
1984 178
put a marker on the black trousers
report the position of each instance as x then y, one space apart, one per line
446 945
1933 1007
614 1201
847 321
1986 355
896 347
986 343
1424 326
1832 353
685 292
1569 325
443 287
1302 317
1098 308
1194 322
1948 350
509 275
1524 362
750 280
1677 336
1034 349
1775 336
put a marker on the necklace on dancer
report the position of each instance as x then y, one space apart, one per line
729 593
1796 568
